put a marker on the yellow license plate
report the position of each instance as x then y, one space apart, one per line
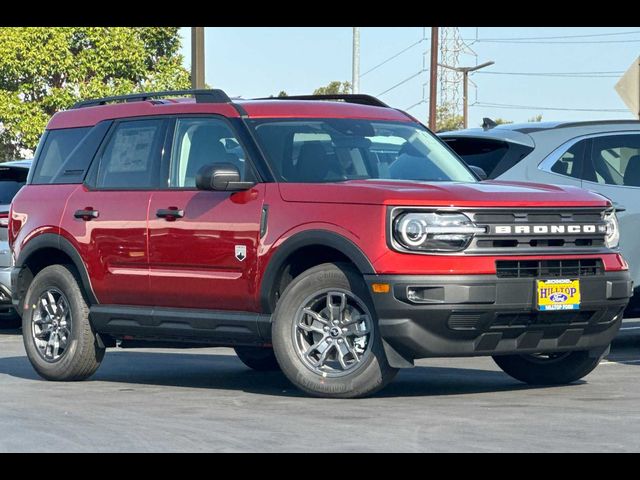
558 295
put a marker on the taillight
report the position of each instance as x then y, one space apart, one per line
4 220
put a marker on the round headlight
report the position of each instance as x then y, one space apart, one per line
434 231
612 238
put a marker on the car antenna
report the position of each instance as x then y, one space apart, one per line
488 124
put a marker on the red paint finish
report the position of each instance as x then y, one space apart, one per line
316 109
35 210
114 245
88 116
193 262
442 194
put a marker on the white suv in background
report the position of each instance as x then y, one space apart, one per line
601 156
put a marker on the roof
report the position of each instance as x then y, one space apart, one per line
538 126
280 108
520 132
17 163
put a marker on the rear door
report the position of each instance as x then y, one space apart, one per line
107 216
613 170
205 255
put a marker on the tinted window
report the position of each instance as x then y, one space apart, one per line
333 150
131 158
11 180
58 145
571 161
199 142
615 160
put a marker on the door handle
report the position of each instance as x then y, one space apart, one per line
86 214
170 213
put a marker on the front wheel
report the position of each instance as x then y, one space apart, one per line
548 368
325 335
58 338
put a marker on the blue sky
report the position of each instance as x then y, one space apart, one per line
254 62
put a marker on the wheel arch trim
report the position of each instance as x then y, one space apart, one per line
309 238
58 242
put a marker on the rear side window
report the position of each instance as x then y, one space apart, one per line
615 160
494 156
57 146
131 157
570 163
11 180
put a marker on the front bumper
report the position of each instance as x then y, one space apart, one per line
475 315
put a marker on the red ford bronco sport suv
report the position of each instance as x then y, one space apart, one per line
337 240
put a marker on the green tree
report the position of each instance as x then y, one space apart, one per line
447 120
334 88
502 121
45 70
536 118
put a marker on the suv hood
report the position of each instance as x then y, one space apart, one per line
481 194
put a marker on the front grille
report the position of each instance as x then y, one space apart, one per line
538 230
584 267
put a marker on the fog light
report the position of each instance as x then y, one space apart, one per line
380 287
413 295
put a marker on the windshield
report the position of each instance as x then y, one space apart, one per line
334 150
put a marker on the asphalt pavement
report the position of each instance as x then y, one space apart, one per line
207 400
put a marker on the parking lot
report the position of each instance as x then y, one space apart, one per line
206 400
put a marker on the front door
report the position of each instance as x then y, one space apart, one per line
203 244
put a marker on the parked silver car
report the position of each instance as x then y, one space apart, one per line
13 176
601 156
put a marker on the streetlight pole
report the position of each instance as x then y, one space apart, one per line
355 68
197 57
433 79
465 86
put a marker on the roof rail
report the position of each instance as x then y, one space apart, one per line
201 96
358 98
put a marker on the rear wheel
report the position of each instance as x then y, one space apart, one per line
261 359
58 338
548 368
326 337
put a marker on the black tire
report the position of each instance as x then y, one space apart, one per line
368 377
261 359
82 355
10 319
564 369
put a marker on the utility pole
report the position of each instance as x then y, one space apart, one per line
197 57
433 79
355 69
465 86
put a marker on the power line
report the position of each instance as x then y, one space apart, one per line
415 105
403 81
394 56
528 107
590 35
612 74
536 42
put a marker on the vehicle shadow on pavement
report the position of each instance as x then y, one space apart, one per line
10 331
226 372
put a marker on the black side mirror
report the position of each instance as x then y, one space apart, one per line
221 177
479 172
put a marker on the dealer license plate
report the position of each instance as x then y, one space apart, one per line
558 295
